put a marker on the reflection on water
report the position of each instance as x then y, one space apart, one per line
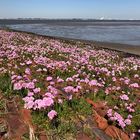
129 34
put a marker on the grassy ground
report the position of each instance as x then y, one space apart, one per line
64 84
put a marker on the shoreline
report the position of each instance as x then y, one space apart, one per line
124 48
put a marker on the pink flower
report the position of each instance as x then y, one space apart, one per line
70 97
59 80
109 113
52 83
29 105
29 62
69 89
17 86
30 85
124 97
121 123
129 116
36 90
60 101
29 102
28 99
114 79
134 85
52 114
28 71
30 93
69 79
127 122
39 103
93 83
49 78
48 101
49 95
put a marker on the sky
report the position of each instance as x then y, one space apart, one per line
87 9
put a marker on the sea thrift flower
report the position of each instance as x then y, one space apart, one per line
29 102
109 112
28 71
52 114
69 89
121 123
129 116
30 93
60 101
29 62
49 95
70 97
93 83
134 85
114 79
29 105
48 101
28 99
36 90
30 85
39 103
59 80
69 79
127 122
17 86
52 83
124 97
49 78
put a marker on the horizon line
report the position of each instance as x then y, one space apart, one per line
66 19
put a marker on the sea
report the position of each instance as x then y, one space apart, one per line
124 32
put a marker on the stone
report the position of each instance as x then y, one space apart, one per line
116 133
101 122
82 136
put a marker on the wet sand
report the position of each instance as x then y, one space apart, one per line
129 49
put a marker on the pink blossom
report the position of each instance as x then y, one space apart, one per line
28 71
127 122
30 93
36 90
49 78
129 116
134 85
29 62
29 105
18 86
48 101
52 83
52 114
60 101
30 85
49 95
121 123
124 97
69 79
69 89
59 80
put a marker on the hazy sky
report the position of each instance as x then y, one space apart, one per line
120 9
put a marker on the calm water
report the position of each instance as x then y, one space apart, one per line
122 32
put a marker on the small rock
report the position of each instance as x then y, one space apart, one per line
101 122
82 136
116 133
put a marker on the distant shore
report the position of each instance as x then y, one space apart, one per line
128 49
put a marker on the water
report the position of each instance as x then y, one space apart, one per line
114 32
